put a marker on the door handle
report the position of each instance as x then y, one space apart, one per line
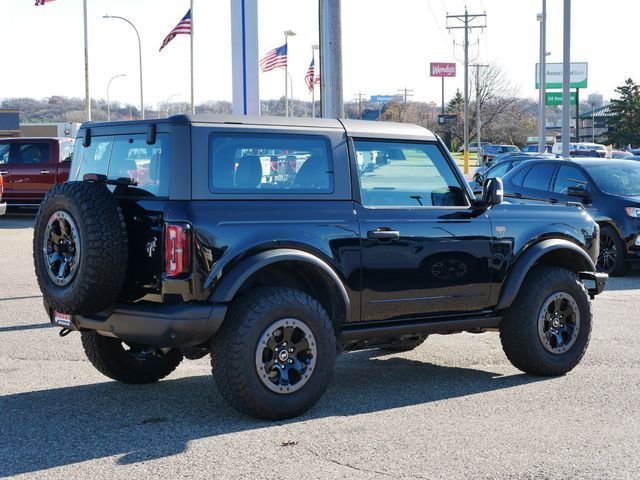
383 234
4 172
44 171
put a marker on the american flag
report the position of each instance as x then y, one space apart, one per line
309 78
182 28
42 2
274 59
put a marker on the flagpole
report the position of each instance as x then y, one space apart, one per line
193 105
86 66
286 80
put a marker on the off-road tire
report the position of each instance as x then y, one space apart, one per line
519 327
111 359
104 254
404 345
233 351
619 267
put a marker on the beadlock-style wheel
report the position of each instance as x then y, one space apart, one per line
559 323
61 248
286 355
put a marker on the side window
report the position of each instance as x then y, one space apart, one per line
4 153
568 177
519 175
539 177
499 170
66 151
260 163
31 154
394 174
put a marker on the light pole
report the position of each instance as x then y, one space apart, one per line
542 117
291 90
108 101
593 122
139 58
287 34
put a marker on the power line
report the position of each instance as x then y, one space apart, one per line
467 22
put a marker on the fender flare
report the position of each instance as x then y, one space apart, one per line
532 254
231 282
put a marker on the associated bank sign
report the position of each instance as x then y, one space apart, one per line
578 74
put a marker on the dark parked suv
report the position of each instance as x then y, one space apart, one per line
207 247
608 189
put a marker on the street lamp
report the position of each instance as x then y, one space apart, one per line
287 34
108 101
542 114
139 58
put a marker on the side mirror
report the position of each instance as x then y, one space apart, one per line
493 191
479 179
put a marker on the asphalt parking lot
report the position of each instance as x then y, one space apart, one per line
452 409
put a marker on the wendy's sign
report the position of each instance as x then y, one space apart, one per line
443 69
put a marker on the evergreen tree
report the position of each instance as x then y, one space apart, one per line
624 124
456 104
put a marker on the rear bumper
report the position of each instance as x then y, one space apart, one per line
3 208
156 324
599 282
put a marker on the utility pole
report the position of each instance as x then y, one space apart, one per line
478 66
86 65
566 80
469 22
542 117
360 95
331 102
405 93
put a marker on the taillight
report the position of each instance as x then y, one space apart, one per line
177 251
1 186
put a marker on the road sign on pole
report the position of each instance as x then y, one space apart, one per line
439 69
382 98
578 74
555 98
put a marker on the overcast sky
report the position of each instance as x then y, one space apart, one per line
387 45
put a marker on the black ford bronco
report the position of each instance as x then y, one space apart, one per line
274 243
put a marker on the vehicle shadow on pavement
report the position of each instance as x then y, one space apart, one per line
17 220
56 427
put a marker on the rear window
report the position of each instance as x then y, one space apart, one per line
539 177
127 156
254 163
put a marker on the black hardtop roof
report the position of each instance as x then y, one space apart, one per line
354 128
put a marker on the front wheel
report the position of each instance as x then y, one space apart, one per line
128 362
547 329
275 353
612 257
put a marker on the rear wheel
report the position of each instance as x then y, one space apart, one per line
275 353
547 329
128 362
613 253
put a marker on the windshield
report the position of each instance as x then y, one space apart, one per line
618 179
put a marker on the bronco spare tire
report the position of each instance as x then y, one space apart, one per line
80 248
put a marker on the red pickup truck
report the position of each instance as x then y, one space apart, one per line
31 166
